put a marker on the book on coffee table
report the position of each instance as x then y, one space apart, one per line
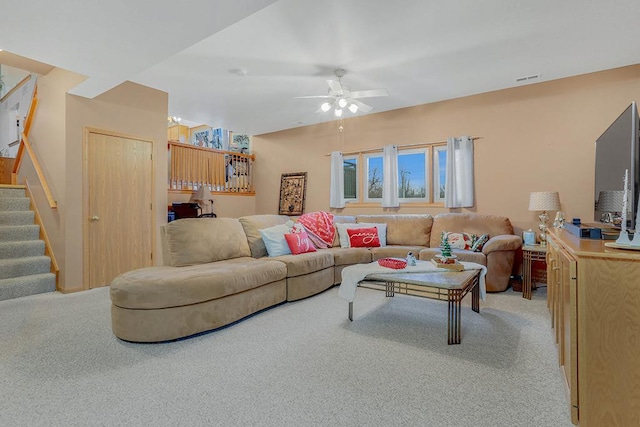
455 266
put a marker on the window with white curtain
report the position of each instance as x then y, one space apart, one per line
439 173
351 179
421 175
375 174
413 178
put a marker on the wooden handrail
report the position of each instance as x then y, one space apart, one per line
25 145
36 165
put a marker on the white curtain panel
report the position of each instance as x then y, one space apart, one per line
336 195
459 185
390 177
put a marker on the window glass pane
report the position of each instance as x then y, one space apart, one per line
374 177
350 178
412 182
439 172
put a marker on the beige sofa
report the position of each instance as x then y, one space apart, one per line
217 271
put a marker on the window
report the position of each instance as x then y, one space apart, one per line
439 173
350 165
374 173
412 176
422 174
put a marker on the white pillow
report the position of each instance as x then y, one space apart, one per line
274 241
344 236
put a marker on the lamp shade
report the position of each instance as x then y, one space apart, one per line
202 194
544 201
610 201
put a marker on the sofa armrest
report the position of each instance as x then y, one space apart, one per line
503 242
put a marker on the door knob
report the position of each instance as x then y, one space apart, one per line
95 218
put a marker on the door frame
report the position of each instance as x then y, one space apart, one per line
85 195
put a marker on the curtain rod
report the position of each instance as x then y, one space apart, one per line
419 144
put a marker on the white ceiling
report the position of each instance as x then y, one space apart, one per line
239 64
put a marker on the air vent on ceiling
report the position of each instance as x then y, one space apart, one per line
525 78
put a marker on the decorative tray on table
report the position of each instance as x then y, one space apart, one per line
450 263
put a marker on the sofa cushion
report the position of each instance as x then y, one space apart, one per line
252 225
349 256
163 287
274 240
299 243
394 251
479 224
341 219
344 234
193 241
366 237
458 240
405 229
306 263
479 242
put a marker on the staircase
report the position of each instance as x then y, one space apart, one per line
24 269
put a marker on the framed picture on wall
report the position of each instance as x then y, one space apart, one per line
203 138
293 187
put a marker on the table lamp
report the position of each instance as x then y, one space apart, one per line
203 195
610 205
544 201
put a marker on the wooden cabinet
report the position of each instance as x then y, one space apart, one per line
594 300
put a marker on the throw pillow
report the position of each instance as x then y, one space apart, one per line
344 236
460 240
479 242
274 241
363 237
299 243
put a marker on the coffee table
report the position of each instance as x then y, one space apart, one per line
451 286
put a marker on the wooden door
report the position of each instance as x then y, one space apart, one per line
119 220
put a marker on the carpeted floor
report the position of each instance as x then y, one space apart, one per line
298 364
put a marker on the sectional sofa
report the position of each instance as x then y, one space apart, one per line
217 270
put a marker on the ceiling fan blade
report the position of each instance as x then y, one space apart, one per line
361 105
369 93
313 96
335 86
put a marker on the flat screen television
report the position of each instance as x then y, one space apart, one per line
617 150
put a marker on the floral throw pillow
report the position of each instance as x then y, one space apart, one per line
460 240
363 237
479 242
299 243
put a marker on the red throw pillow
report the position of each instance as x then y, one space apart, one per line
299 243
363 237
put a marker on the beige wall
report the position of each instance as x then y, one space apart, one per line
49 142
534 138
129 109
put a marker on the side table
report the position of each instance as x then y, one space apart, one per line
530 253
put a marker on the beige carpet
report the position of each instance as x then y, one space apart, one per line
298 364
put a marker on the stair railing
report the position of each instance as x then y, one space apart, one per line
25 145
221 171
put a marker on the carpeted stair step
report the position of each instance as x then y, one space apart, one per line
11 192
18 233
16 267
21 249
17 287
17 217
15 204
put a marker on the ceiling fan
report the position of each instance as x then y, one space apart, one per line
340 97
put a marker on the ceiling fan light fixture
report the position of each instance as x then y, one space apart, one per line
338 112
325 107
342 102
353 108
